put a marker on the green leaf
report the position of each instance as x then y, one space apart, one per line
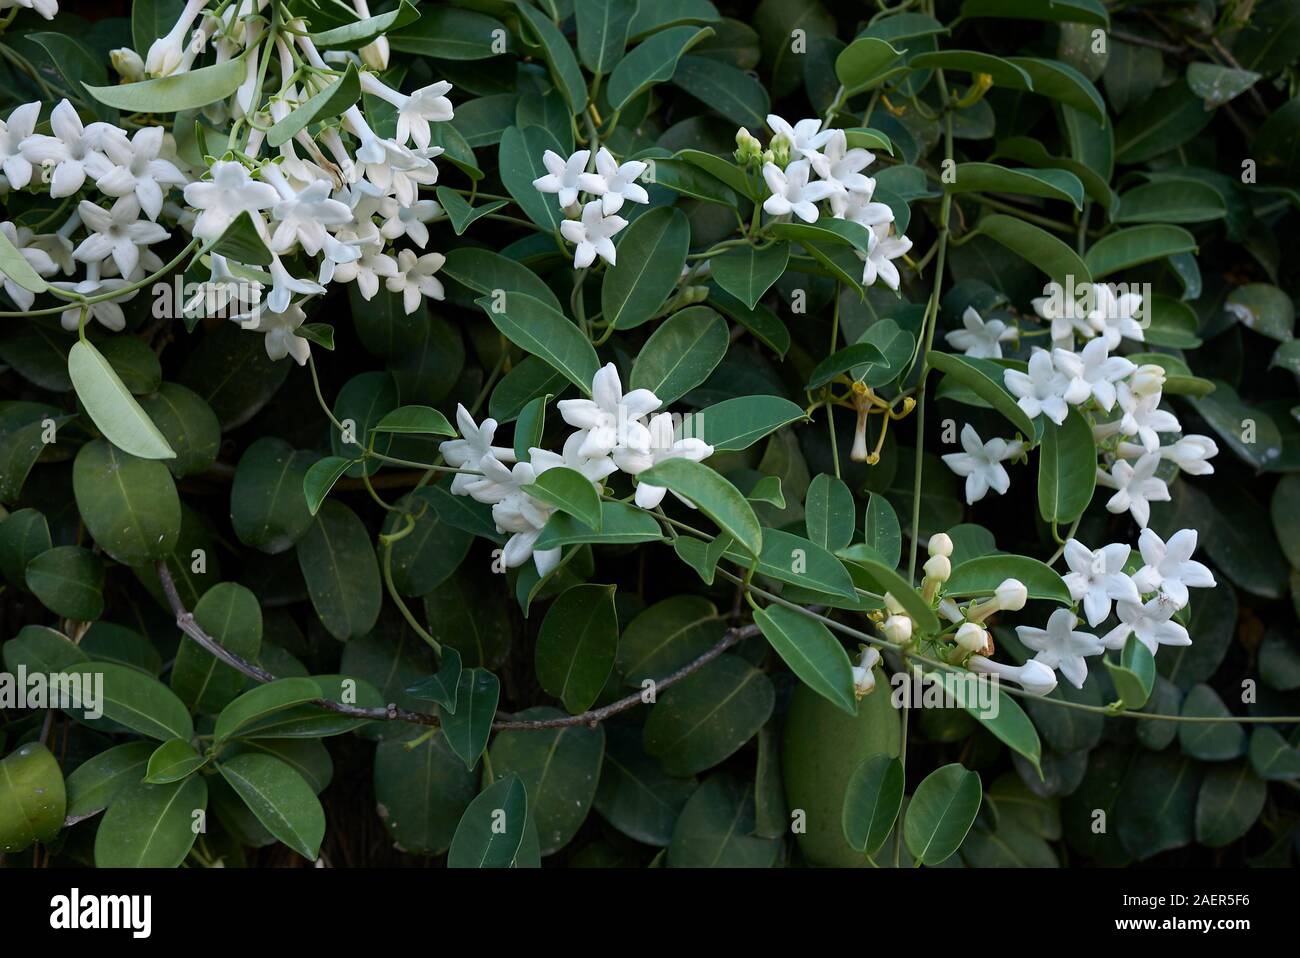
681 353
342 574
738 423
864 63
651 254
713 495
231 614
982 575
268 509
667 636
180 91
1216 85
1134 675
620 524
985 379
1067 11
881 531
652 61
941 812
94 784
150 826
172 761
842 360
718 828
280 798
635 795
129 505
1066 469
442 686
111 406
449 33
187 423
872 802
576 645
569 491
329 102
461 214
1004 72
424 788
723 171
536 328
16 268
705 718
1228 804
1271 756
888 581
790 558
468 728
1171 201
811 652
317 482
747 272
830 513
559 55
1065 84
723 88
1264 309
69 581
560 769
492 828
602 32
1168 119
33 799
131 698
1209 741
991 178
1037 246
1006 720
1126 248
353 36
485 271
262 701
415 420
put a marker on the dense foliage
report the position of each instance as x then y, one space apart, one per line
602 432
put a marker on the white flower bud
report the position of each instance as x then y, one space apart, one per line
375 54
1011 595
940 544
1147 380
949 610
897 629
893 605
1034 677
127 64
864 681
972 638
938 567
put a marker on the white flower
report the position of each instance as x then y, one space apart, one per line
981 463
475 444
664 444
38 259
230 192
1040 391
167 53
610 419
366 270
108 313
520 514
118 233
301 216
1034 677
618 182
1190 454
284 284
1060 647
594 468
415 278
841 168
46 8
426 105
1136 485
407 221
281 340
879 262
1151 622
1097 577
72 152
592 235
806 137
567 177
1114 317
981 339
1144 418
1092 373
22 121
1170 567
138 169
972 637
127 64
859 208
1065 316
791 191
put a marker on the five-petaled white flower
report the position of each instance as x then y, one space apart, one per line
137 169
1040 391
618 182
610 419
567 178
878 264
37 259
1191 454
1096 577
981 339
1060 647
72 153
791 191
1114 317
841 168
592 234
664 444
118 233
13 131
1136 487
231 191
280 328
1092 372
469 450
981 463
415 278
1152 622
1169 567
426 105
806 138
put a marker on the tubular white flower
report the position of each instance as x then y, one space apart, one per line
897 629
117 233
1040 391
805 137
617 182
864 675
940 544
167 52
879 263
1097 577
791 191
1034 677
1191 454
566 178
1136 485
981 339
1169 566
1011 595
971 637
981 463
592 235
1152 622
1059 646
38 259
1092 373
281 340
13 131
231 191
415 278
610 419
664 444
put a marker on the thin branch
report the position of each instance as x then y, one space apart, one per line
186 622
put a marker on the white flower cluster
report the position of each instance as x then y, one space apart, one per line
1145 603
839 182
607 188
329 205
614 431
1122 397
